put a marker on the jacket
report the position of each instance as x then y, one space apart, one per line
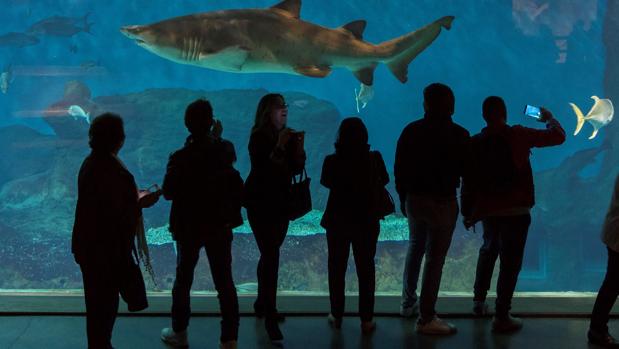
107 211
351 180
430 157
270 177
478 204
204 187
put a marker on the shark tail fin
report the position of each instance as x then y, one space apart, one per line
580 118
401 51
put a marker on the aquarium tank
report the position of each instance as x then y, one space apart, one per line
65 61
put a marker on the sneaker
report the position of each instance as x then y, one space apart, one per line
335 322
367 327
409 311
506 324
480 308
174 339
605 340
227 345
436 326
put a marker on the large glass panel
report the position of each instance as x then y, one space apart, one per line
64 62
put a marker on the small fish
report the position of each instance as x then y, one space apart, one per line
600 115
6 78
365 95
76 111
300 103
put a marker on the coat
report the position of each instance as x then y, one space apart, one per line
107 211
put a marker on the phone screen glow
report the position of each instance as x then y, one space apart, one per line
532 111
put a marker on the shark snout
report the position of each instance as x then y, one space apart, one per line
133 32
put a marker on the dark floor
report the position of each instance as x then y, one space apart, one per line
66 332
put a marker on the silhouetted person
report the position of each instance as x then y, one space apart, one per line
205 190
430 159
276 154
106 219
352 175
500 193
598 329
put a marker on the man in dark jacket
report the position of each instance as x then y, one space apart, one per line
205 190
499 192
429 162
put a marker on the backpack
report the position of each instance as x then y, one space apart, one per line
496 169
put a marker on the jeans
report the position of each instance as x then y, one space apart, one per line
363 241
218 251
505 238
607 295
270 234
431 225
416 249
101 288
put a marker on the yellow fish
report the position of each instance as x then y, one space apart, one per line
600 115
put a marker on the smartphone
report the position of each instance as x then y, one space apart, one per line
532 111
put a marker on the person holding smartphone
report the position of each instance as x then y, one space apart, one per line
498 191
107 216
276 154
205 190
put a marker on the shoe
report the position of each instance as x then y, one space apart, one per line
480 308
604 340
367 327
174 339
335 322
410 311
272 328
436 326
227 345
506 324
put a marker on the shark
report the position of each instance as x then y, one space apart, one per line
277 40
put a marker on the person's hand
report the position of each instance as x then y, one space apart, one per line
468 223
284 137
217 129
545 115
148 199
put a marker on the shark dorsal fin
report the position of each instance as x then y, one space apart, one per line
356 28
293 7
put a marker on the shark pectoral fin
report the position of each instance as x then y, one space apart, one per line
366 75
291 7
231 58
356 28
314 71
580 119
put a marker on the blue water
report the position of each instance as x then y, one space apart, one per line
551 60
